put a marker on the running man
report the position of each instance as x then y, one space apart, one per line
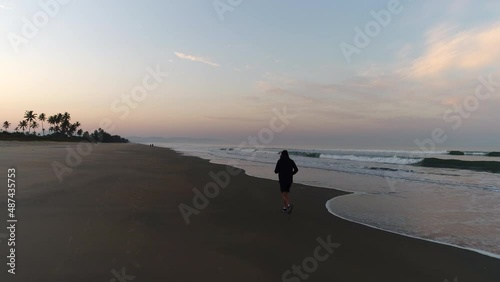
286 168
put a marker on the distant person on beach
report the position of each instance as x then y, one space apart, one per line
286 168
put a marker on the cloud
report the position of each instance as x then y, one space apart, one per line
4 6
195 59
404 53
448 50
240 69
235 118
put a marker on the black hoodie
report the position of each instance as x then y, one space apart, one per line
285 168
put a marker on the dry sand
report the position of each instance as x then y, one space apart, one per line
118 210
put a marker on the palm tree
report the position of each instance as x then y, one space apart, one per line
59 120
30 117
6 125
42 118
34 125
73 128
55 121
52 121
23 125
65 124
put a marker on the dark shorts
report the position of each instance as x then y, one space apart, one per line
285 186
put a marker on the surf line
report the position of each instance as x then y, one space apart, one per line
329 204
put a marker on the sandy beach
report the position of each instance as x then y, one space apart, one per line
115 217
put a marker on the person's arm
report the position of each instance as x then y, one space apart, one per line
277 168
295 169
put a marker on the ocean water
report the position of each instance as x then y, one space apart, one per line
450 199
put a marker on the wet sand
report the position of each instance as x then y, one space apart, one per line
115 217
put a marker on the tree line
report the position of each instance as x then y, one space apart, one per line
60 127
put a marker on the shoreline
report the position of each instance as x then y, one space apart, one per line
120 209
485 253
353 193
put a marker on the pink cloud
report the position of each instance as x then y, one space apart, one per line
448 50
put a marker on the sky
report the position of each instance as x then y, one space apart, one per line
365 74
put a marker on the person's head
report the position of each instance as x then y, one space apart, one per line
284 154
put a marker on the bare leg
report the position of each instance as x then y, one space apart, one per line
284 195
